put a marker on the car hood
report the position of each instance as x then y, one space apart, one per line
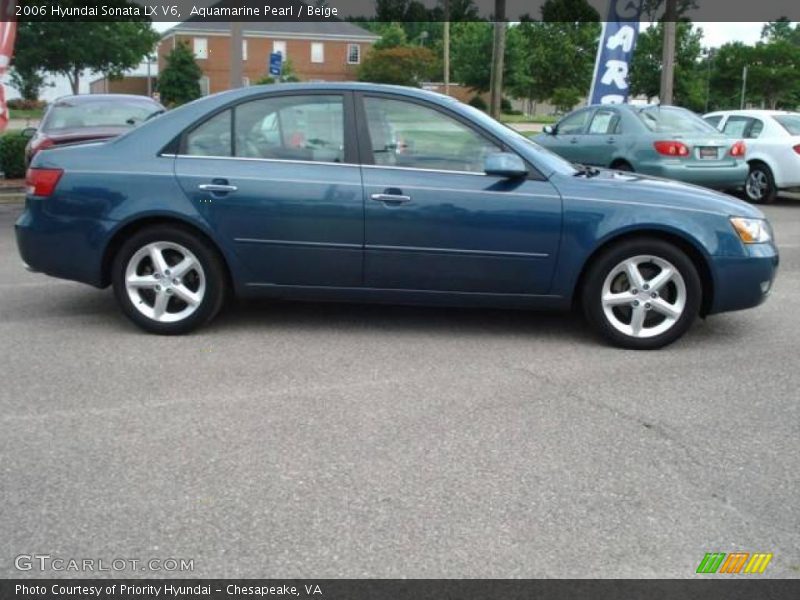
612 185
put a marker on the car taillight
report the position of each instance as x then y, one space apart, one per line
797 148
677 149
738 149
42 182
42 143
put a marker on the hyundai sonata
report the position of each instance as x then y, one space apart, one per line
362 192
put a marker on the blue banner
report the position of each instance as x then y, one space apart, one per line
614 56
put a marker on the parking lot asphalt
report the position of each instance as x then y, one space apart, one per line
325 440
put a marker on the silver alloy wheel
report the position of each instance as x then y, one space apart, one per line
644 296
165 282
757 184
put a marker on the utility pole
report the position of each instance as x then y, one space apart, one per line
236 54
668 56
447 47
498 53
744 86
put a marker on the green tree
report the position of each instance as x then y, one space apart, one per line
179 82
69 48
408 65
392 36
690 74
27 81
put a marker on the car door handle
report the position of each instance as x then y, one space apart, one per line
611 141
391 198
217 187
573 140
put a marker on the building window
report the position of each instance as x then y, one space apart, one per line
205 85
244 49
200 48
353 54
317 52
280 48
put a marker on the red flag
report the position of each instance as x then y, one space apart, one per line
8 31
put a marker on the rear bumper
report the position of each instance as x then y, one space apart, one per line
744 282
715 177
61 246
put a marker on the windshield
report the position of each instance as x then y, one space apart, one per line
669 119
547 161
790 123
113 113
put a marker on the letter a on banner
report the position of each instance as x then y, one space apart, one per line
615 53
8 31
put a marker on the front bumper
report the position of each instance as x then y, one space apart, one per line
744 282
715 177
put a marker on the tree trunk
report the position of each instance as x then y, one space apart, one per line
74 78
668 54
498 54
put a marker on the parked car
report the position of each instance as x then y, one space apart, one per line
363 192
72 119
664 141
773 148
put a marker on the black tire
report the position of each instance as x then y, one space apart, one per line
213 272
759 188
624 166
609 260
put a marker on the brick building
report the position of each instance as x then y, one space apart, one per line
318 51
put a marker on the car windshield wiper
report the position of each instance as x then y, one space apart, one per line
586 171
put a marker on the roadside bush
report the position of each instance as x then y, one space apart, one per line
478 102
505 106
12 154
22 104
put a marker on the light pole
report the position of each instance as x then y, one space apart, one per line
744 86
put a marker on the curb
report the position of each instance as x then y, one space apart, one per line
12 198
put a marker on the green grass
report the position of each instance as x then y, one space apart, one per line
543 119
36 113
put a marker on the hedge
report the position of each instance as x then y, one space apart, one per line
12 154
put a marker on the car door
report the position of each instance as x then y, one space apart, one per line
569 136
277 179
602 141
434 221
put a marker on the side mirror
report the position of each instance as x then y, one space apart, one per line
504 164
549 130
28 132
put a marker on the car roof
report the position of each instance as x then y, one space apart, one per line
753 112
89 98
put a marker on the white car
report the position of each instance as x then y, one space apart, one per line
773 148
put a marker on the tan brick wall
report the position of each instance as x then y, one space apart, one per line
127 85
256 66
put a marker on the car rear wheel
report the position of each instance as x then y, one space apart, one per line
168 281
759 188
642 294
622 166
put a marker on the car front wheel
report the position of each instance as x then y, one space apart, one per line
642 294
168 280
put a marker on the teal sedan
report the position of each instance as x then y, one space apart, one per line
663 141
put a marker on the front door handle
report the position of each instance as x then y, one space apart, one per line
611 141
218 188
391 198
573 140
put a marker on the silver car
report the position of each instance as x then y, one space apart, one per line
664 141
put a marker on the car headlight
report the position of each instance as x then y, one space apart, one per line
751 231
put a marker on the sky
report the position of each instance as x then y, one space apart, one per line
715 34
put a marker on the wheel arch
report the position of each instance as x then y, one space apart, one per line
690 247
129 228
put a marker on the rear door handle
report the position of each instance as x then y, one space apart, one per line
611 141
391 198
573 140
218 188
